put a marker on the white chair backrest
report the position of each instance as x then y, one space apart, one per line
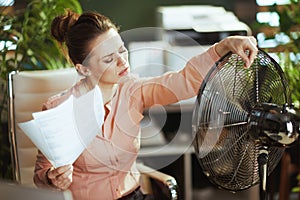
28 90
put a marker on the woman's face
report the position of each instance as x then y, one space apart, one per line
108 60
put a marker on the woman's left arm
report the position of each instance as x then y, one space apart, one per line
175 86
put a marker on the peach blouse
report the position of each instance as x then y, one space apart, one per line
106 169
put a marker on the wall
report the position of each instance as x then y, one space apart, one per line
134 13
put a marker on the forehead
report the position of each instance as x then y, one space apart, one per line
106 43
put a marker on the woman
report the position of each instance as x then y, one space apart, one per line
106 169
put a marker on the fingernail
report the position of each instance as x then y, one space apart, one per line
252 60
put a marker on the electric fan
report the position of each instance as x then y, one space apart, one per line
242 121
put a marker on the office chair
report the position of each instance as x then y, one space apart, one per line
28 90
161 185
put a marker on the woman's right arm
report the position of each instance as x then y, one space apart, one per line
42 165
44 173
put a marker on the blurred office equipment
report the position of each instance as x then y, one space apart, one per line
204 23
181 33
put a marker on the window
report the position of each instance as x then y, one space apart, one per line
271 19
7 2
264 16
271 2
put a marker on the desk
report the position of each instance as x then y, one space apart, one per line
177 129
161 156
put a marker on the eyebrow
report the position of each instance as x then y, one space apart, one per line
109 55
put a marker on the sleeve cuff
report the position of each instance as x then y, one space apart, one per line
213 53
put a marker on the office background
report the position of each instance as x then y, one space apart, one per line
134 13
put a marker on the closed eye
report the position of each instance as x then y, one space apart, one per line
108 60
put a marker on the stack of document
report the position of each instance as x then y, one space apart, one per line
63 132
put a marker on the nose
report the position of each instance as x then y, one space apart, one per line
121 61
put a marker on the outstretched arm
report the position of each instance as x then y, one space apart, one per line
175 86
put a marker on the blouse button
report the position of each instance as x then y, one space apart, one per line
136 144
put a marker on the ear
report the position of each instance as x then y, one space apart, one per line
83 70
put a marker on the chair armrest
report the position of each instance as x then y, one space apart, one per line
163 186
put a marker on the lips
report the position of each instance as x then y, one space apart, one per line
124 72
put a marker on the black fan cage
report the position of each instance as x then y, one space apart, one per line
223 142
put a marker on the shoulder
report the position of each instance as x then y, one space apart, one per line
130 83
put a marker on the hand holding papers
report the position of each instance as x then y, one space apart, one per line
62 133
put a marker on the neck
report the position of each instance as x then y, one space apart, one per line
108 91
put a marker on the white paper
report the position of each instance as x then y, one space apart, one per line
63 132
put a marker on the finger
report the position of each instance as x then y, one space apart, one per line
244 57
56 184
252 56
252 48
64 180
65 186
253 40
65 175
62 184
58 171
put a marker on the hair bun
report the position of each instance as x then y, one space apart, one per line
61 25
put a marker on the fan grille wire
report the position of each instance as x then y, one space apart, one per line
224 145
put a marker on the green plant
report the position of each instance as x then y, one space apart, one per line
28 45
287 38
289 19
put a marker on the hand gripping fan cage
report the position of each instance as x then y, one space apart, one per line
242 121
